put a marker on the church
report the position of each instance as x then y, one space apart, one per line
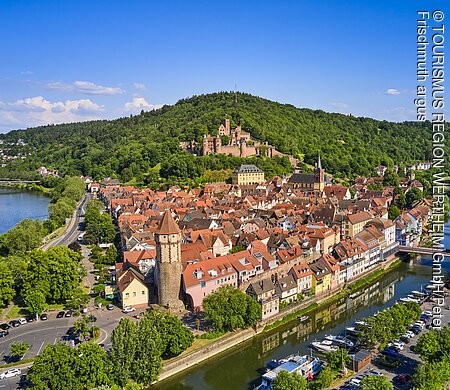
310 182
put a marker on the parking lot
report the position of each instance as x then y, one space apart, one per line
408 358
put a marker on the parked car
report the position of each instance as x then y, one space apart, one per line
22 321
402 378
128 309
31 318
68 314
4 333
390 352
44 317
11 373
375 372
60 314
14 323
71 331
4 326
405 339
110 306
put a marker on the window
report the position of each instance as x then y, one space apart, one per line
127 295
134 293
202 284
143 292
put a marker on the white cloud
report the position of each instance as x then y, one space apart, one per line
139 86
84 87
393 91
339 105
36 111
138 104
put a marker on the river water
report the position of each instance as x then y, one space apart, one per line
241 367
16 205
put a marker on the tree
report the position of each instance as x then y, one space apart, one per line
373 382
175 337
19 348
338 358
24 237
7 291
286 381
324 379
111 255
93 366
413 195
428 346
391 178
34 301
229 308
394 212
123 350
99 226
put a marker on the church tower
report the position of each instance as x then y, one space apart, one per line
319 176
168 263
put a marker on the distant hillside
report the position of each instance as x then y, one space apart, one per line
143 146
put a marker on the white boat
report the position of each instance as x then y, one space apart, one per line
418 293
405 299
351 330
306 366
340 340
303 318
325 346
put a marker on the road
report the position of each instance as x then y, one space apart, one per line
72 230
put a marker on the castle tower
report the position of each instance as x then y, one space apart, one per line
168 263
227 127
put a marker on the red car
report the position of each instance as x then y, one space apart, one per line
403 378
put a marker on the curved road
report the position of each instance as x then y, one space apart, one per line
72 231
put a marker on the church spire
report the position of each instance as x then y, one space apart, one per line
319 163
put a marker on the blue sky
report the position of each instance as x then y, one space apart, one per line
78 60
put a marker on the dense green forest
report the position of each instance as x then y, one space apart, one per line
145 148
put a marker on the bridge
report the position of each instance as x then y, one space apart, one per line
421 250
14 181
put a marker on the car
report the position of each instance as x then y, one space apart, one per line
31 318
71 331
402 378
44 317
128 309
390 352
4 333
427 312
14 323
22 321
110 306
404 339
409 334
11 373
419 323
60 314
4 326
375 372
68 314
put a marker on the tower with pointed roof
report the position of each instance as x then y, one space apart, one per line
168 263
319 175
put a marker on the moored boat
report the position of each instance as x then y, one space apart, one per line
340 340
306 366
325 346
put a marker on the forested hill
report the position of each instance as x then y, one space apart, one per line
143 146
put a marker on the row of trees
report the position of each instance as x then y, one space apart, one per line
228 308
99 225
64 198
135 357
434 349
389 324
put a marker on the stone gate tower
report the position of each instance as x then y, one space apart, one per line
168 263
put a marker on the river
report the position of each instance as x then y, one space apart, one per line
16 205
240 368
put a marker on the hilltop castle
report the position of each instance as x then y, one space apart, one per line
240 144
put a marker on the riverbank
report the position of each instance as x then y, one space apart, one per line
230 340
27 187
